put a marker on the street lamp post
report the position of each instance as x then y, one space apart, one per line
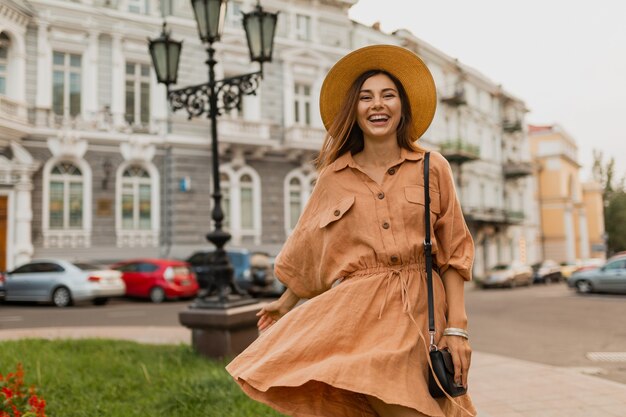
212 99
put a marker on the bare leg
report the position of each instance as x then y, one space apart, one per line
392 410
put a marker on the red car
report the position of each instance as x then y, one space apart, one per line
158 279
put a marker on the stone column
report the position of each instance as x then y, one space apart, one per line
23 249
90 80
19 71
585 246
43 100
118 80
568 224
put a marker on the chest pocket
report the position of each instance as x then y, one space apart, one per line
336 211
415 194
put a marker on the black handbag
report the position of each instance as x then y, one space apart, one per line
441 359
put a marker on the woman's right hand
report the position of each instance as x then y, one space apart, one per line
271 313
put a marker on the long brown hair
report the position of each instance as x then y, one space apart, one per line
345 134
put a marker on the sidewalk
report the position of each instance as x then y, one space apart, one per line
500 386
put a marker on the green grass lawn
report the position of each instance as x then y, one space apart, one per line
123 379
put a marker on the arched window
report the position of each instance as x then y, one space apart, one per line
247 202
136 199
298 185
225 188
241 202
65 197
295 201
5 44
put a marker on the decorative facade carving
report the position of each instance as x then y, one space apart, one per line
68 144
137 149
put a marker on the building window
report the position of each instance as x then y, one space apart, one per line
225 188
295 202
303 27
136 199
5 44
302 104
241 203
137 93
66 197
66 80
247 200
299 185
139 6
233 13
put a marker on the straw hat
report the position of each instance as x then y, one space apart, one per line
401 63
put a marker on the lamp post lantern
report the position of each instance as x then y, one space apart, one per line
212 99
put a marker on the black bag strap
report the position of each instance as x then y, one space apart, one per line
428 246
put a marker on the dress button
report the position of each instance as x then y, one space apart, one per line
394 259
337 213
391 171
385 225
381 196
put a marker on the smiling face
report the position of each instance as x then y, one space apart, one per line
379 108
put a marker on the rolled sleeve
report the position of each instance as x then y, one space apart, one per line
455 243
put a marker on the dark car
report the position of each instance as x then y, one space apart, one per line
157 279
253 272
547 271
2 279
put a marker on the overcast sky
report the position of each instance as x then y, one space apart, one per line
565 58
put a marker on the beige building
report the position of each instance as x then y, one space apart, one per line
571 215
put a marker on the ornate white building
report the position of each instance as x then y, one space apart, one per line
94 166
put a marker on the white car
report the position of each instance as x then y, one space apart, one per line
507 275
62 283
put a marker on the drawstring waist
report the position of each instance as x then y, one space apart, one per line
403 279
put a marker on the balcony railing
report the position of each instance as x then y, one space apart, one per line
514 217
454 96
517 169
11 109
459 151
484 215
13 120
511 126
238 130
304 137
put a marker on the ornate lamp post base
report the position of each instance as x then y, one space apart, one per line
218 332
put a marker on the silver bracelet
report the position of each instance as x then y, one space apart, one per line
455 331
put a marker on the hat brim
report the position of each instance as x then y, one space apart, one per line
402 63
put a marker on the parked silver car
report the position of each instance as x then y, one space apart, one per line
62 283
507 275
609 278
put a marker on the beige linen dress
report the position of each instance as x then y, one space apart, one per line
357 255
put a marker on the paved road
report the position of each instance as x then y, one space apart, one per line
551 324
544 323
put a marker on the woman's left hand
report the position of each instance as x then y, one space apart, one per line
461 352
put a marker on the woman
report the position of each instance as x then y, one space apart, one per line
356 347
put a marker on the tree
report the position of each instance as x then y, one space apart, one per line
614 198
603 173
615 222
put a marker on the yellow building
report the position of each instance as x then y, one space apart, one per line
571 215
